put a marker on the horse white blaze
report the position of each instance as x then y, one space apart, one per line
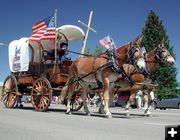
171 60
141 64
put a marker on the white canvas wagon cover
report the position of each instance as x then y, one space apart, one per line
19 55
67 32
71 32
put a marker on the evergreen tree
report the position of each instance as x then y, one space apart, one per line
153 33
87 51
98 50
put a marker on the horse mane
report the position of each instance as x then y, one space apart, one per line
122 50
151 60
151 54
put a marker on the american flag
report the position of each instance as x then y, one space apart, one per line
44 29
107 42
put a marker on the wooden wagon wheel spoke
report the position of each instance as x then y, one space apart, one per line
13 93
43 103
43 84
38 84
46 90
36 90
41 94
44 100
10 100
6 99
9 91
4 94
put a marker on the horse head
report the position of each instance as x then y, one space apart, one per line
136 55
163 56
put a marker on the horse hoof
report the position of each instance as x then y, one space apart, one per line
109 116
127 114
88 114
101 112
68 113
147 113
21 106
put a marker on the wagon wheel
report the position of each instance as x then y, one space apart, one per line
41 94
76 102
9 91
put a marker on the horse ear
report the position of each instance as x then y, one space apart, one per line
161 45
140 38
137 40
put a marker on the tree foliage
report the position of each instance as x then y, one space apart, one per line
98 50
153 33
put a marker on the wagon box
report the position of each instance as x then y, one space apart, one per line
34 72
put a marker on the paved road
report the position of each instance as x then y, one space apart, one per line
27 124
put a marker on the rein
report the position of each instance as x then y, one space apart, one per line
80 78
78 53
93 71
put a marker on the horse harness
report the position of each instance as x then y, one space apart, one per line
111 64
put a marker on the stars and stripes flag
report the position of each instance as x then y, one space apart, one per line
44 29
107 42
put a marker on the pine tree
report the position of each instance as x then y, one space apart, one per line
98 50
87 51
153 33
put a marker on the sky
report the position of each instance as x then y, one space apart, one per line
123 20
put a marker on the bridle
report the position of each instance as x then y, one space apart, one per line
159 57
131 52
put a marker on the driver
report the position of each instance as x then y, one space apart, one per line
61 50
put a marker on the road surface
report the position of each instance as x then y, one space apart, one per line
28 124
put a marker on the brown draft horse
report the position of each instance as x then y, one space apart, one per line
158 55
87 70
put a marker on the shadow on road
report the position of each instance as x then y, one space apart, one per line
81 113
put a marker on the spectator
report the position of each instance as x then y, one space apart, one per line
139 98
114 100
152 97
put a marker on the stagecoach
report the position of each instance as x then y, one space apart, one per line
35 74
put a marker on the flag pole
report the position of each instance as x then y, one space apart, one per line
55 44
55 16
